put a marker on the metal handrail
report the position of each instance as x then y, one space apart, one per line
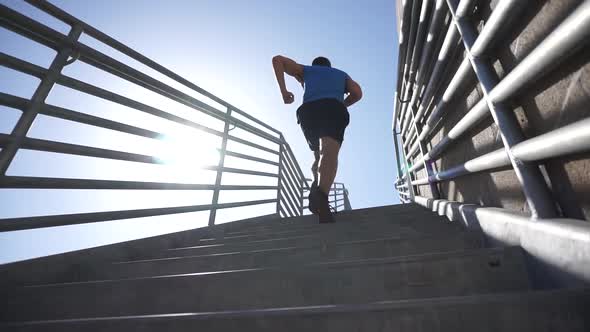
338 197
291 182
556 247
417 120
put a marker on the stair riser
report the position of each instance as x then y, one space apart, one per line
571 314
453 275
431 226
289 256
347 216
300 240
312 221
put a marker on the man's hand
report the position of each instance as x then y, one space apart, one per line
354 92
288 97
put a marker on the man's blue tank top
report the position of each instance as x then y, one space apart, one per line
323 82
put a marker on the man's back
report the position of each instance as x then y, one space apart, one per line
324 82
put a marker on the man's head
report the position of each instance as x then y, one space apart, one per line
321 61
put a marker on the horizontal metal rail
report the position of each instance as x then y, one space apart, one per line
520 153
290 181
25 182
14 224
100 36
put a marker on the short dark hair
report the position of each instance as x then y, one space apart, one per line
321 61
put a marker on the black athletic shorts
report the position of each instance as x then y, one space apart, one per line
321 118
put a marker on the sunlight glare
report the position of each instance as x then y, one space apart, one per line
188 152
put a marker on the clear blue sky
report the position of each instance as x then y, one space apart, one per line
226 48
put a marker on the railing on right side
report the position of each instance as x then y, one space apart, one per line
431 33
338 196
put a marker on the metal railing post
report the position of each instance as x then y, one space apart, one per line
280 179
215 200
347 205
37 101
335 196
301 186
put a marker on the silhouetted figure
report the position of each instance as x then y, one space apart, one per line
323 117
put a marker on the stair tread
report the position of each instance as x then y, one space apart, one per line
514 311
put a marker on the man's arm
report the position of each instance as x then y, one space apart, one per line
284 65
354 92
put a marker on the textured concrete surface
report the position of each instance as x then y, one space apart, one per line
518 312
385 271
478 272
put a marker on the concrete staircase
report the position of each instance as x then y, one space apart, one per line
394 268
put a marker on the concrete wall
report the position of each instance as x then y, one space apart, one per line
561 97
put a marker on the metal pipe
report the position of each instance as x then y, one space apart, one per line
530 177
502 13
419 44
460 76
421 182
24 182
16 224
291 156
489 161
279 184
20 24
403 42
29 114
288 198
474 116
414 148
290 211
100 36
247 157
22 66
419 164
480 110
463 73
289 187
87 151
465 8
396 143
220 164
406 84
449 45
289 167
426 51
570 139
571 34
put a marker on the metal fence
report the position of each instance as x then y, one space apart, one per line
428 41
338 196
431 33
291 182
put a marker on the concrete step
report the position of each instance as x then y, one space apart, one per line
299 239
540 311
343 217
423 225
435 275
218 235
286 256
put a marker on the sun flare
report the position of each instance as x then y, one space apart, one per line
188 153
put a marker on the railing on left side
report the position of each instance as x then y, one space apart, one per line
291 182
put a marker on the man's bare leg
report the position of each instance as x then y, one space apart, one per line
328 165
314 167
